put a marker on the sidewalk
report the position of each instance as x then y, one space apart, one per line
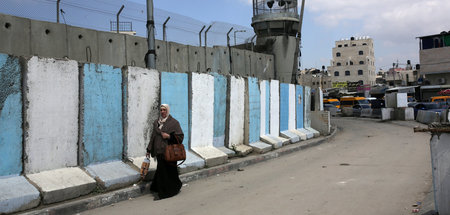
143 188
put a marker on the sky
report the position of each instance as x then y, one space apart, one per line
392 24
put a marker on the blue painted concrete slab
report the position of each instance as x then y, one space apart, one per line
284 107
220 108
102 130
299 104
17 194
254 102
10 116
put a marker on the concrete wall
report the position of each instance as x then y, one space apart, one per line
102 133
284 107
141 97
292 107
254 110
202 129
174 92
440 160
220 109
265 107
299 108
10 116
51 114
237 111
275 108
396 100
307 99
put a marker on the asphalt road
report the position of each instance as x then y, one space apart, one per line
369 167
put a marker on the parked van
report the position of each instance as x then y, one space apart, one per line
440 98
350 101
334 102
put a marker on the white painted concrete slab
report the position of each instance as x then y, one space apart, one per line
243 150
51 114
17 194
293 138
261 147
274 142
292 111
227 151
263 121
211 155
387 113
142 100
274 107
113 175
299 134
62 184
237 112
314 131
308 133
396 100
193 162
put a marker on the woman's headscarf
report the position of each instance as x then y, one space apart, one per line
162 120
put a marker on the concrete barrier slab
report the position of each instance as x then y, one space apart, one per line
347 111
314 131
193 162
293 138
227 151
17 194
274 142
299 134
113 175
211 155
404 113
261 147
366 112
387 113
243 150
62 184
308 133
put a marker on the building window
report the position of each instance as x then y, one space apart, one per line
364 44
339 46
351 62
360 72
353 44
361 52
361 62
338 64
314 83
336 73
345 45
347 73
324 82
338 54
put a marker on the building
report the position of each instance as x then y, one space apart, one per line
353 61
314 78
435 58
399 77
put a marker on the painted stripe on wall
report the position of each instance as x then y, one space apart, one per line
262 89
284 107
202 130
102 131
291 107
237 111
220 108
267 104
51 141
307 107
10 116
254 103
174 92
274 108
299 105
142 108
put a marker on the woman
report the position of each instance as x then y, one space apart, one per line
166 182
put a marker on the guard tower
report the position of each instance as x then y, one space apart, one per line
277 25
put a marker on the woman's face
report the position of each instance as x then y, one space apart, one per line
163 112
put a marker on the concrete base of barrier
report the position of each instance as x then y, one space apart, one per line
387 113
300 134
227 151
444 116
113 175
17 194
404 113
366 112
243 150
211 155
308 133
261 147
314 131
274 142
293 138
347 111
193 162
62 184
137 162
428 117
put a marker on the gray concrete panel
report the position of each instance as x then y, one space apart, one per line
162 57
222 57
82 44
196 56
178 57
48 39
136 48
238 62
111 49
250 63
268 69
210 62
15 34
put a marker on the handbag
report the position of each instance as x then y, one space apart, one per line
175 151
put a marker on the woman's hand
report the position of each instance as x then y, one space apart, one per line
165 135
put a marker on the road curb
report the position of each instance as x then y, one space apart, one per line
93 201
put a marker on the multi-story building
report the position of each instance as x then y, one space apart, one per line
435 58
353 61
314 78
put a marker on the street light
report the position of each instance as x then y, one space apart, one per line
235 35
